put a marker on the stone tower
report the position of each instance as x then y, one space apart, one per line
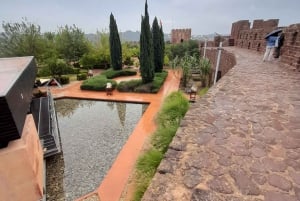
180 35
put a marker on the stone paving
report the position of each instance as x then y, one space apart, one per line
240 142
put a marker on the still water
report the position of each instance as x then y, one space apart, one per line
92 134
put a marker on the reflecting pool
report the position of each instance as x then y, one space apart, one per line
92 134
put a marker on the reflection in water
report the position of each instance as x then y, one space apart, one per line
92 134
66 108
121 107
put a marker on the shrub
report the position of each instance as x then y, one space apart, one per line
97 83
82 76
144 88
110 73
158 81
43 72
129 86
63 79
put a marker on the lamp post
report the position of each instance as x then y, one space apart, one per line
218 62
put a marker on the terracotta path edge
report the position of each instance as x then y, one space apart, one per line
112 186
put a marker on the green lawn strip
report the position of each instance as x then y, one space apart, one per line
173 110
203 91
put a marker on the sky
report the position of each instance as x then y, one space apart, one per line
202 16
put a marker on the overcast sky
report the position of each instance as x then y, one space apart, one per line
202 16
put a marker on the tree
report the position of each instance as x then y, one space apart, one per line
115 44
162 42
71 43
20 39
146 49
57 67
205 68
157 46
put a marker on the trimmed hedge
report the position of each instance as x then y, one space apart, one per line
110 73
139 87
82 76
97 83
129 86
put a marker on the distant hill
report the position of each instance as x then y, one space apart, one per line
127 36
134 36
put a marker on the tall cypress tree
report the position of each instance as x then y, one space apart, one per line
157 60
115 44
162 42
146 49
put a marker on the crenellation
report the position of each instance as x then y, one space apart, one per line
254 38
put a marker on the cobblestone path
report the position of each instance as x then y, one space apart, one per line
240 142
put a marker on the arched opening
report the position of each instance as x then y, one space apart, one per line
249 45
181 40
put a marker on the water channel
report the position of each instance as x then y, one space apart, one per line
92 134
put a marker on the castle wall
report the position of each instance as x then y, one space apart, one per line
254 39
290 51
227 61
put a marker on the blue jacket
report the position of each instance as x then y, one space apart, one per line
271 41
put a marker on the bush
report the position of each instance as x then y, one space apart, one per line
139 87
82 76
97 83
129 86
63 79
110 73
43 72
158 81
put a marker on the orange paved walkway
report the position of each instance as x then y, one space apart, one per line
116 179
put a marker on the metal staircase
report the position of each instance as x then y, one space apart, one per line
44 115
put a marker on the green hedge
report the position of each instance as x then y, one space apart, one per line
97 83
110 73
129 86
139 87
63 79
82 76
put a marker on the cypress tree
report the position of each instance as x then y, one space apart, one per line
115 44
157 48
162 42
146 49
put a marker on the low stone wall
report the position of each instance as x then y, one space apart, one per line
227 61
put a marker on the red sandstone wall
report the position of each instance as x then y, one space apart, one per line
226 63
254 39
290 52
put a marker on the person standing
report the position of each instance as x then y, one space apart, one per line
278 45
271 40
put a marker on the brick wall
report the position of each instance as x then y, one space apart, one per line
254 39
290 52
227 61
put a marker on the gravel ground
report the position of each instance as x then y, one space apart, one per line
92 134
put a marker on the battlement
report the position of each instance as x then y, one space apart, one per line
254 38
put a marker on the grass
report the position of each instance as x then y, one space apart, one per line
168 120
203 91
